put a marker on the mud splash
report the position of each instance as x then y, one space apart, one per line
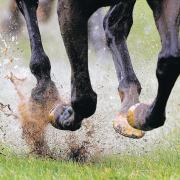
33 116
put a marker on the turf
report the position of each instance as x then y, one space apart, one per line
156 165
160 163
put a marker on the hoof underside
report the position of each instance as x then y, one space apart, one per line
122 127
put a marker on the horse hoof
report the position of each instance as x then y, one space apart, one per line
137 116
122 127
56 112
62 117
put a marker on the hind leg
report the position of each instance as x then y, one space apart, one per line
117 24
167 18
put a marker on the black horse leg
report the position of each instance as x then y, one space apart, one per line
40 64
117 24
167 18
73 17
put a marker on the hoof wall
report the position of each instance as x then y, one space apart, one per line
137 115
122 127
62 117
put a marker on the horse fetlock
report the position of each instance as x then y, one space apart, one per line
168 66
40 66
84 105
129 95
154 122
153 119
130 82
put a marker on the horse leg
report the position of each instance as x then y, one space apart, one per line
73 17
117 25
167 18
34 113
39 64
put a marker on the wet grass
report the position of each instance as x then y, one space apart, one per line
161 164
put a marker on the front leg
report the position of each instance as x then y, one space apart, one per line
167 17
73 25
73 17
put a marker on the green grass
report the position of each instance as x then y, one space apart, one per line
156 165
161 163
